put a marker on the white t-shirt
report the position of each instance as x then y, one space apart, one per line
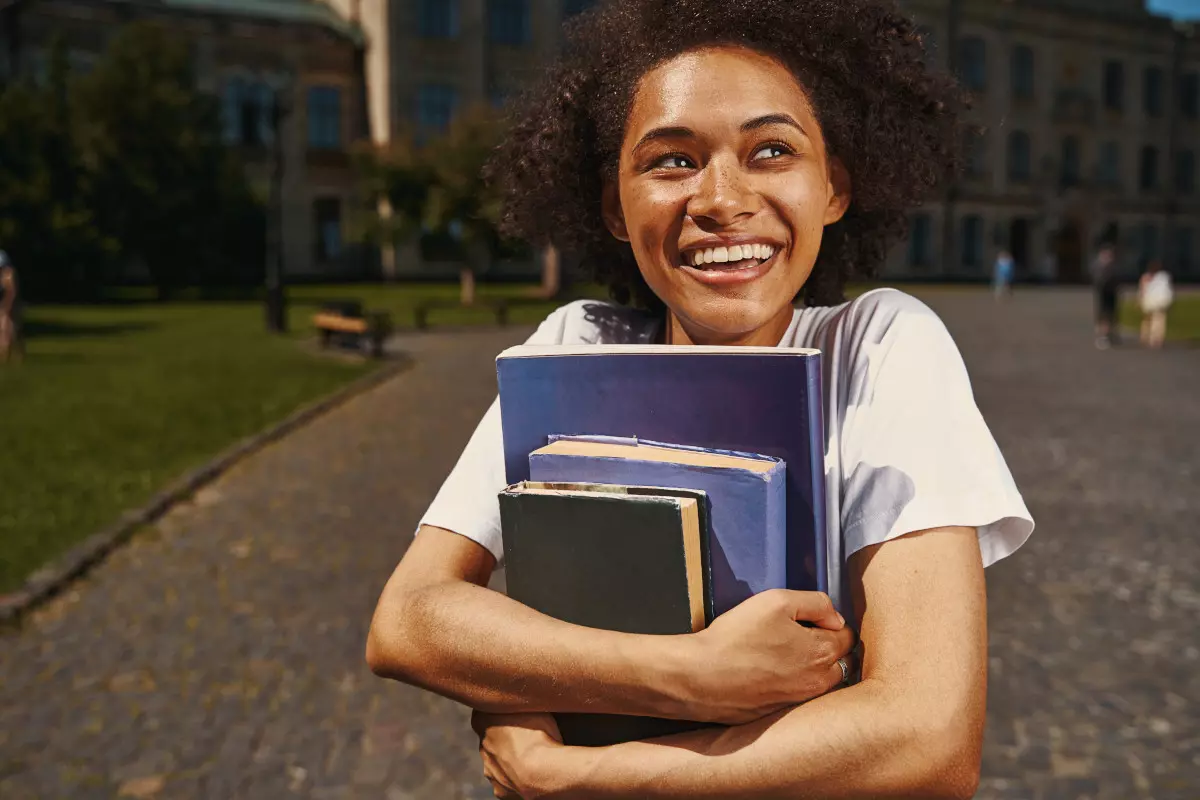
907 447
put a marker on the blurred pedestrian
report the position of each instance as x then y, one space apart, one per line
1155 295
1104 282
1002 274
10 319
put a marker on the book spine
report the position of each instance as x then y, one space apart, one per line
816 452
775 515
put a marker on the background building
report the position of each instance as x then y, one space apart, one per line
245 51
428 59
1090 113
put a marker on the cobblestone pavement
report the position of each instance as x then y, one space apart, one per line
220 653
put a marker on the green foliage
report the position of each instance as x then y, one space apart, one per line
460 200
46 221
123 166
437 190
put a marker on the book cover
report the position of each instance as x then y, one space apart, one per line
609 557
743 399
746 496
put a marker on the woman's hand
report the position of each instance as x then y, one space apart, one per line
755 659
515 748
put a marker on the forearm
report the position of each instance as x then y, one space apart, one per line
859 742
487 651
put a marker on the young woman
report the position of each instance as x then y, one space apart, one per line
1155 295
716 163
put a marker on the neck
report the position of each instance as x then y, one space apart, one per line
680 332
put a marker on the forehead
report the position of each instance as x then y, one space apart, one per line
717 82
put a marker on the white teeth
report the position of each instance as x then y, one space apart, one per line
722 255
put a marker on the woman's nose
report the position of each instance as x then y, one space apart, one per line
723 195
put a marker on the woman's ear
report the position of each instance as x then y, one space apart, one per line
840 191
610 208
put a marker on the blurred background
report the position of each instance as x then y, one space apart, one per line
253 290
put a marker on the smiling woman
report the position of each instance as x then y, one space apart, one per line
715 162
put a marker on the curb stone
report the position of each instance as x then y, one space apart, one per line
49 580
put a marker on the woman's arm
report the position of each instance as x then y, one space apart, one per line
912 728
437 627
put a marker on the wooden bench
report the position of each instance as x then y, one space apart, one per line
347 322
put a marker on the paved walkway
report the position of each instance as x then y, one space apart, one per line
220 654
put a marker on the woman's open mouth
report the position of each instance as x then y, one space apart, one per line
729 265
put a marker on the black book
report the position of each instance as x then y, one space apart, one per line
620 558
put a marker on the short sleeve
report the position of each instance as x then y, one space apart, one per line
467 501
915 450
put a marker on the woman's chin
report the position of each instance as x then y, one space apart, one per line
729 319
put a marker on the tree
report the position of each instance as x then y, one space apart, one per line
394 180
162 182
46 220
460 202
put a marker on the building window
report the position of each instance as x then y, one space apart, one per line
437 19
573 7
508 22
975 145
973 63
1184 250
1110 164
972 241
1185 171
1152 92
1020 157
1022 72
247 113
327 213
436 104
1148 171
1147 243
231 110
1072 158
920 240
1114 85
1189 96
324 117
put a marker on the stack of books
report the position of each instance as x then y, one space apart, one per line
654 488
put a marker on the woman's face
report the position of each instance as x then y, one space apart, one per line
724 189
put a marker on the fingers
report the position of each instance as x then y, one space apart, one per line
835 677
814 607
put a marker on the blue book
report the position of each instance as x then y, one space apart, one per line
741 399
747 544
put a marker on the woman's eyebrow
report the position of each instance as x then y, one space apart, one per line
665 133
772 119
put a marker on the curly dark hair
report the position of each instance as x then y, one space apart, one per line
892 119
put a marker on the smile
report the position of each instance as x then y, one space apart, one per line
735 257
730 265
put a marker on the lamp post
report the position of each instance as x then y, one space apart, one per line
276 300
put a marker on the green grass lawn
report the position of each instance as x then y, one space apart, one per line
112 402
1183 320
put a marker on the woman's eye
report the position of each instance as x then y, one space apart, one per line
770 151
675 161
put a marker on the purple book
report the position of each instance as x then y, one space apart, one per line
765 401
